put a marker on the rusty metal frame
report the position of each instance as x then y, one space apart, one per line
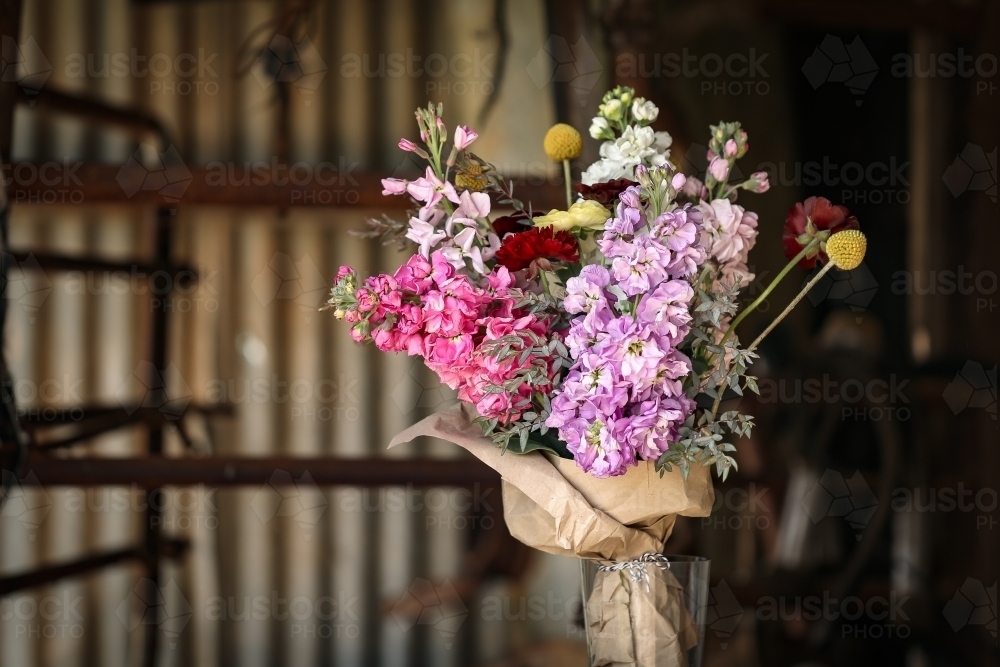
223 471
97 184
48 574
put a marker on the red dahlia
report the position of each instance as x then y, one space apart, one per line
536 249
814 218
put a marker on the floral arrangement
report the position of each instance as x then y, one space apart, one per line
602 332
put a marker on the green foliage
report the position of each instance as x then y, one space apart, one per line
529 432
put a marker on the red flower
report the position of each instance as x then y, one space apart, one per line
814 218
537 248
604 193
515 223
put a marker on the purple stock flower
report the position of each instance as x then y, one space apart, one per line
622 400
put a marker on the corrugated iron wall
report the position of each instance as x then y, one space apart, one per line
263 584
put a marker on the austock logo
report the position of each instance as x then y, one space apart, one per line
24 64
440 607
283 61
723 612
874 617
835 62
855 288
973 170
285 279
973 387
744 74
25 283
162 606
150 387
58 616
284 496
164 173
834 495
973 604
417 391
29 507
560 62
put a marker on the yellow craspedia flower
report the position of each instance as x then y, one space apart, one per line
846 249
585 215
562 142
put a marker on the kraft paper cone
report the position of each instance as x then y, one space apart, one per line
552 505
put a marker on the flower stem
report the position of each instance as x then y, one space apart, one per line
801 295
569 184
791 306
767 291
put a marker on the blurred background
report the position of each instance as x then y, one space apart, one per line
194 461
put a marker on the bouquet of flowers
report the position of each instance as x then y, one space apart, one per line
594 343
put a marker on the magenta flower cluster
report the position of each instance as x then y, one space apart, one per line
622 399
427 308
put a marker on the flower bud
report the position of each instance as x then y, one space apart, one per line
758 183
600 129
612 109
719 169
644 111
464 136
694 188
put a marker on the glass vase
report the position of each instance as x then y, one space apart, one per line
647 612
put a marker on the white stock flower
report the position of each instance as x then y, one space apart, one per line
644 110
619 158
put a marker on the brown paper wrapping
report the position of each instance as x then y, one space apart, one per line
552 505
639 621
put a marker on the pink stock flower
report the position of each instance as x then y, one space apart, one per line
386 340
430 189
442 271
451 351
367 301
758 182
464 136
415 275
500 279
358 333
393 186
719 169
407 145
425 233
728 231
694 188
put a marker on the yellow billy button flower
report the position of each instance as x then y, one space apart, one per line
562 142
846 249
583 215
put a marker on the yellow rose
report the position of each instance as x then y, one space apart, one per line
585 215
